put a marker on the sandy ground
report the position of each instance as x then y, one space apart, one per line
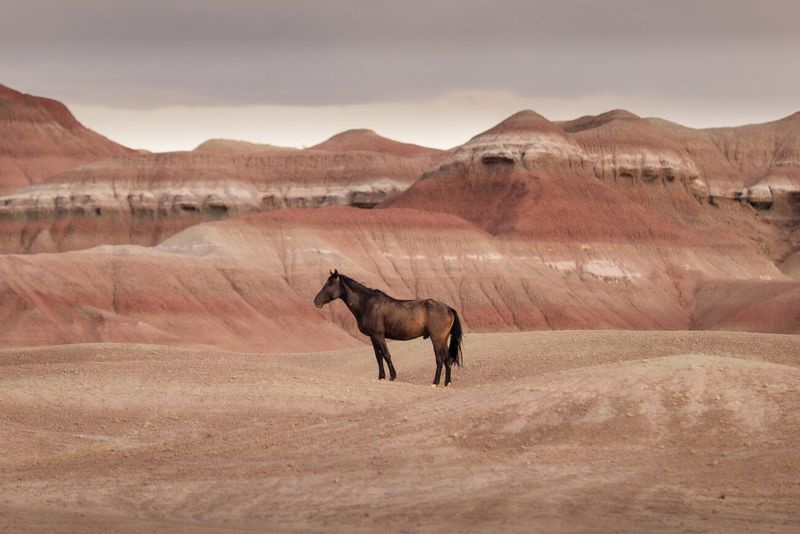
547 431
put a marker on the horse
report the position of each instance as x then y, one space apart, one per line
380 316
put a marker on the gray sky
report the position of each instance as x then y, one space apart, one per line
168 73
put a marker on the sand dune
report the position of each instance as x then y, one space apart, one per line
550 432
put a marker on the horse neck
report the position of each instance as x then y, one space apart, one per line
354 297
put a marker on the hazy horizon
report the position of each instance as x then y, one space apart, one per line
168 75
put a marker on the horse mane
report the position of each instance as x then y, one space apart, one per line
351 282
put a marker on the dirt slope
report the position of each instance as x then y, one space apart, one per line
552 432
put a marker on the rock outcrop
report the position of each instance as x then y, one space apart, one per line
39 137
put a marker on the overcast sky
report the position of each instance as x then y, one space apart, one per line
167 74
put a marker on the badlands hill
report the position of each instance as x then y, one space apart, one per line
623 146
368 141
144 198
39 137
613 176
247 283
234 146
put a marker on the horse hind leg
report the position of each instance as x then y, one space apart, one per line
440 351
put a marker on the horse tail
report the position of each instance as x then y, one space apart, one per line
456 335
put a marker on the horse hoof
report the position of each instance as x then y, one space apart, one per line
434 385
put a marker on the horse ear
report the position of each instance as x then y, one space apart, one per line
330 272
336 272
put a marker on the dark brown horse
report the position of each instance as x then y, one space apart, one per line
380 316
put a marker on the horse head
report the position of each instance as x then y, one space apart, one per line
332 290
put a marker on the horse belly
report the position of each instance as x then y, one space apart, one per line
405 334
405 327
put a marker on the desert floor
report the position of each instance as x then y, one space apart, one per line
543 431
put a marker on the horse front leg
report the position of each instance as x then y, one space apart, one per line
388 358
378 348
